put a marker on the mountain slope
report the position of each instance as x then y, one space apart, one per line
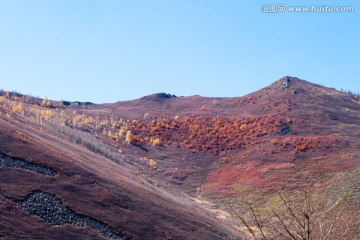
91 186
165 167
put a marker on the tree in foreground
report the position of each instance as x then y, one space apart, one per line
298 215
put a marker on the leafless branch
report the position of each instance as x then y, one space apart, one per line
243 221
258 223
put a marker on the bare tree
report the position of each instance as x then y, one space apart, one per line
299 216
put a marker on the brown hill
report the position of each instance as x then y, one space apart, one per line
164 167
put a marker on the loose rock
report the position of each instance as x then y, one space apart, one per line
53 211
11 162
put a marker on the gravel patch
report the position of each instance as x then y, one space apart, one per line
11 162
53 211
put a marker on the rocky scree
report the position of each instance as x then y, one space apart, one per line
53 211
11 162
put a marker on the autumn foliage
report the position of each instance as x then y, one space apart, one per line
209 134
302 144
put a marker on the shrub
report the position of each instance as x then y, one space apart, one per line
46 102
128 137
153 163
137 141
109 134
18 108
156 142
121 132
146 115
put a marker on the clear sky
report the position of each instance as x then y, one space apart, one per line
112 50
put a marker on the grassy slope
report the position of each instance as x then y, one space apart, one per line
94 186
196 175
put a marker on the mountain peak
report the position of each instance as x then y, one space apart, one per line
295 84
158 96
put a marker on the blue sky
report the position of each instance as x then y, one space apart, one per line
112 50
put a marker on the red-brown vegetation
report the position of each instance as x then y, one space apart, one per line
212 149
210 134
302 144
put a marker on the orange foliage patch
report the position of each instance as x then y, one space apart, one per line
210 134
302 144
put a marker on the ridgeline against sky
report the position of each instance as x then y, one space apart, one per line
106 51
